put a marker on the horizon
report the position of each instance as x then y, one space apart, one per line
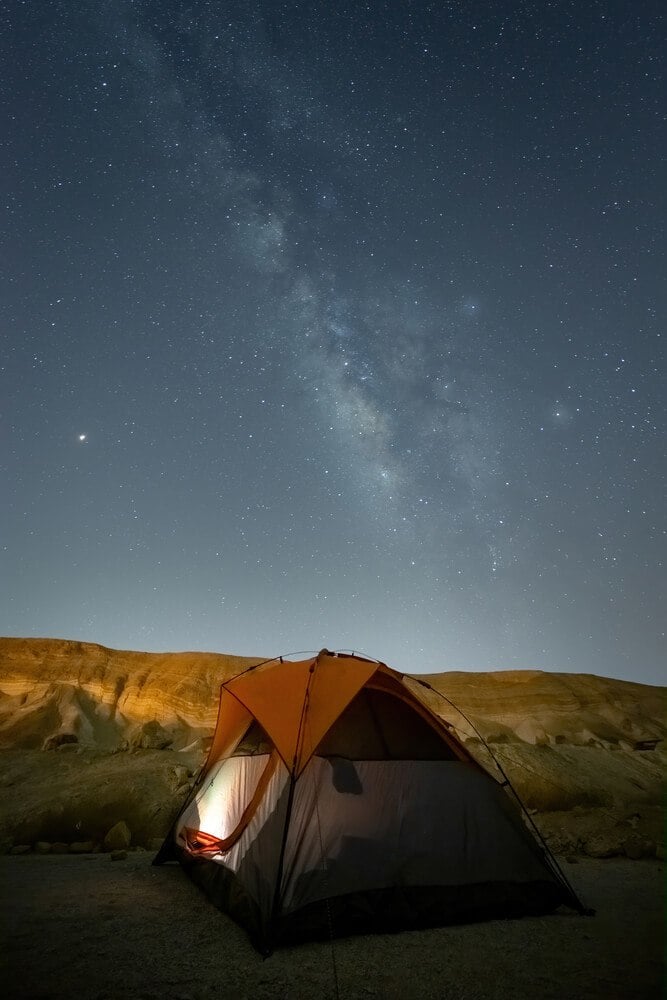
307 653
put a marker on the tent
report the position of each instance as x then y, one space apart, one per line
333 801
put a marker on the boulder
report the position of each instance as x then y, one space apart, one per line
59 848
118 837
181 775
636 847
605 844
57 740
81 847
151 736
42 847
560 842
20 849
118 855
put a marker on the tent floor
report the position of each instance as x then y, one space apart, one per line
400 908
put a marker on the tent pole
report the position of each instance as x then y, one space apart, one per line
279 874
327 899
288 814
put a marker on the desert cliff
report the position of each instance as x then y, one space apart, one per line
90 736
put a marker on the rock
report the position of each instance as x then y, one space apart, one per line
181 775
6 844
59 848
118 837
155 843
81 847
59 739
638 847
42 847
20 849
202 745
560 842
118 855
151 736
604 845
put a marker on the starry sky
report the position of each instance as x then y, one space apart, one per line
336 325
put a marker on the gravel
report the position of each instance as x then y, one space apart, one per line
81 926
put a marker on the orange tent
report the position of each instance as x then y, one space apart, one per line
334 801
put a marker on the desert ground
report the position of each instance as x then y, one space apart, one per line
100 748
88 927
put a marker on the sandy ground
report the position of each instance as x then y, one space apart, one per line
89 927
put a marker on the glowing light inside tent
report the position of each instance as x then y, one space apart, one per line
218 806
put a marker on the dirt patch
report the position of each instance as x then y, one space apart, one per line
95 928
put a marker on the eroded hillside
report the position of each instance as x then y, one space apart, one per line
90 735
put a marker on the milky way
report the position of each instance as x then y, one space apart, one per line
336 325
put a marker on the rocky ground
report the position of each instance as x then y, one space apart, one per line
88 927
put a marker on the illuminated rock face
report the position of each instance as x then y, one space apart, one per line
54 686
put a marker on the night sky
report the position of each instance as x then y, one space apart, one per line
336 324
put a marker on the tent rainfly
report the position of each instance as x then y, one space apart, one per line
334 802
